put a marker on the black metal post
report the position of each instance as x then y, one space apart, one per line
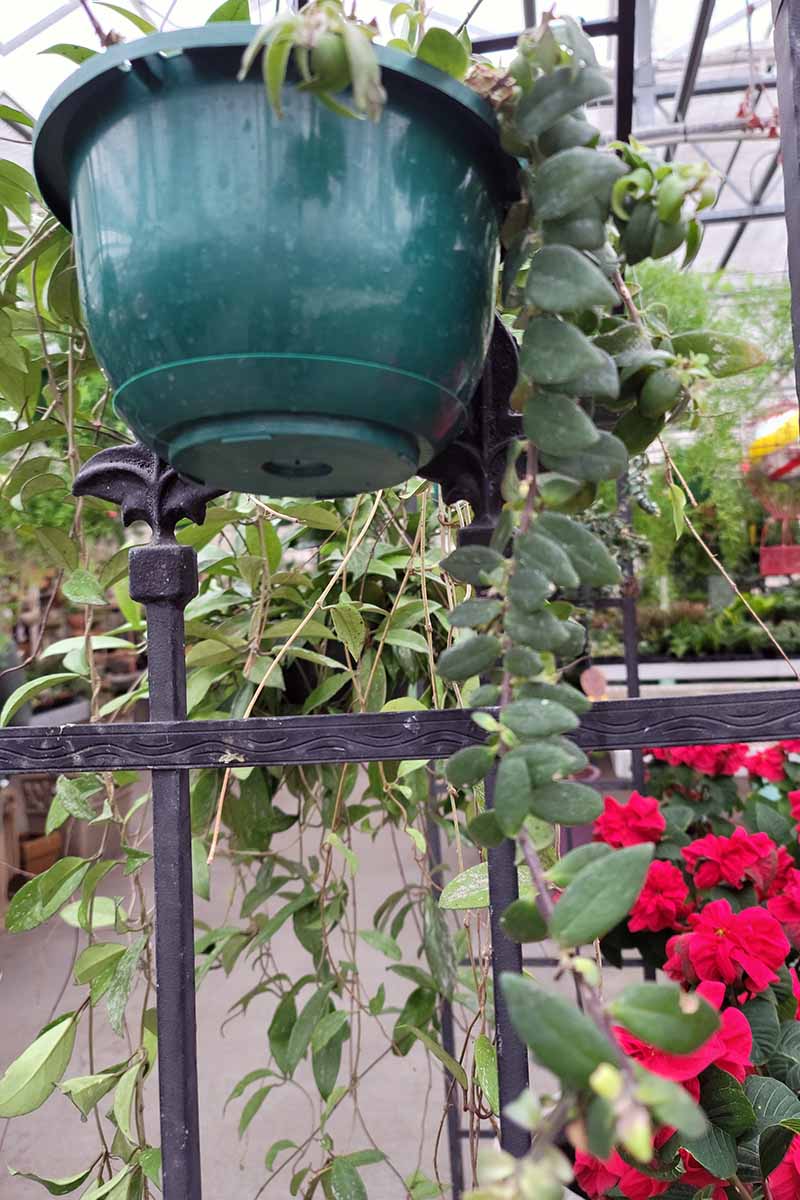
512 1054
163 577
626 55
786 14
434 840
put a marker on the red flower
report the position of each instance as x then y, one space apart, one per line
706 760
662 901
744 948
796 989
636 1186
629 824
784 874
678 1067
784 1182
733 1041
786 908
699 1177
595 1176
792 746
743 857
794 804
766 763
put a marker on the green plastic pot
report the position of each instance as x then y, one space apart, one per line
296 306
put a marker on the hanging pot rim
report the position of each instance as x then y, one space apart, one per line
50 155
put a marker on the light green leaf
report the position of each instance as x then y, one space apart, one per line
470 888
141 23
27 691
201 881
150 1162
447 1060
96 958
82 587
30 1079
350 627
677 499
333 839
56 1187
231 10
443 50
330 1025
123 1099
41 897
304 1026
326 690
485 1056
344 1182
121 984
76 54
408 638
381 941
85 1091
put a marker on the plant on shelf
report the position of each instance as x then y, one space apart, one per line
348 604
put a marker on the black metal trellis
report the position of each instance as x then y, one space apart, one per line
163 577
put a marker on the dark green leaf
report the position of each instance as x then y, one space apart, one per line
555 95
587 553
665 1016
472 613
557 423
554 351
565 181
724 1102
561 279
566 803
560 1037
601 895
522 922
485 830
763 1018
538 718
469 766
568 867
469 656
512 794
472 564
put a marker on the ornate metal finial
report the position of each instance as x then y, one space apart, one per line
145 488
471 468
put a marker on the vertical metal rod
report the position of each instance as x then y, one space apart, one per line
786 36
163 576
630 628
626 57
434 840
512 1054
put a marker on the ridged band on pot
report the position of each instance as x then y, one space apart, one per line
295 306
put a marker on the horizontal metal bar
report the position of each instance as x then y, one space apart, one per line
760 212
384 737
507 41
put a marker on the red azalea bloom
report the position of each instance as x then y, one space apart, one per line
794 804
796 989
743 857
636 1186
639 820
661 904
784 1182
699 1177
735 948
596 1176
706 760
786 870
786 908
733 1041
678 1067
792 746
768 764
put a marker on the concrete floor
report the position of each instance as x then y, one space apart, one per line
401 1100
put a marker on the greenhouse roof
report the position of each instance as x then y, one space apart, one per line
704 86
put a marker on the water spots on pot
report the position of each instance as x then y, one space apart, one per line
140 306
